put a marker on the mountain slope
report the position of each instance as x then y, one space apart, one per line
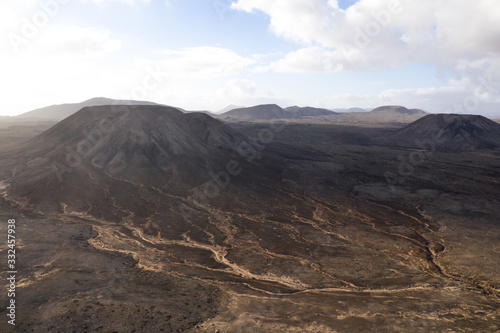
229 108
299 112
140 221
451 132
255 113
381 115
61 111
396 109
104 150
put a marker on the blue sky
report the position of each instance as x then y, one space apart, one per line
206 54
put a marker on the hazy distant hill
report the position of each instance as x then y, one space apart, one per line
256 113
451 132
195 111
299 112
396 109
229 108
351 110
61 111
382 115
273 111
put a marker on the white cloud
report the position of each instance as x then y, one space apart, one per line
51 64
77 41
469 29
311 59
217 95
242 87
200 62
245 92
381 33
298 20
130 2
32 27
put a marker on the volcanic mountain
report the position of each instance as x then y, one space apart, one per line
396 109
147 219
104 153
273 111
307 111
229 108
61 111
390 114
451 132
256 113
353 109
382 115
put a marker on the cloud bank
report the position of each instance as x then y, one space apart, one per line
381 33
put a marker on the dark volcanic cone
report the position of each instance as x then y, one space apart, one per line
103 156
451 132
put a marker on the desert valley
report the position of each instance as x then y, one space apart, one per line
141 217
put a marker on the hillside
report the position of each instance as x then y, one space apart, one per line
60 111
256 113
99 147
451 132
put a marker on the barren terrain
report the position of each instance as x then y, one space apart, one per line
327 228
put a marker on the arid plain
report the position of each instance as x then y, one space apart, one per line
148 219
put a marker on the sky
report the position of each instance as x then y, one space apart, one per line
440 56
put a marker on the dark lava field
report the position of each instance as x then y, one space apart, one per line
154 220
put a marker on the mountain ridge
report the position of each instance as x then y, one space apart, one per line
61 111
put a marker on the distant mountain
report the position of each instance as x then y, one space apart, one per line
229 108
273 111
451 132
61 111
196 111
396 109
381 115
358 110
256 113
293 109
299 112
351 110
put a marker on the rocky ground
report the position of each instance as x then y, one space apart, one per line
344 237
